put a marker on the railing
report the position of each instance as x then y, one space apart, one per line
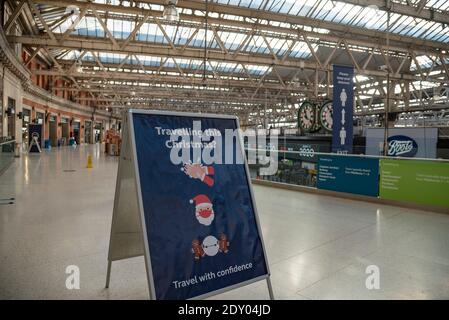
6 153
403 179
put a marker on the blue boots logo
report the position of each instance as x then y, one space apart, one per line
402 146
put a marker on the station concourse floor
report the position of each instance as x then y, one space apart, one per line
318 247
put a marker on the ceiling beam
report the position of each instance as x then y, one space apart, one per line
15 14
354 34
297 20
408 10
167 79
142 48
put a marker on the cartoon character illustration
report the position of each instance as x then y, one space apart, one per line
198 171
223 243
210 246
197 249
204 211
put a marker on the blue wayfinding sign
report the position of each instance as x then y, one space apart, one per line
201 226
343 104
349 174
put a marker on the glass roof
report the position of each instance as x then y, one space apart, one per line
151 61
179 35
121 26
353 15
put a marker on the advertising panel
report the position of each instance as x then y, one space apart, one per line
415 181
403 142
200 223
349 174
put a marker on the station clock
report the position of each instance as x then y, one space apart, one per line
326 114
307 116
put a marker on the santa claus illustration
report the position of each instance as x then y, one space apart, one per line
204 211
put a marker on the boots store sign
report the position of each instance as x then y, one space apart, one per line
403 142
402 146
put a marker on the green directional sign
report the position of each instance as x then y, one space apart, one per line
416 181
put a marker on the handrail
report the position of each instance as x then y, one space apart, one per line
9 141
348 155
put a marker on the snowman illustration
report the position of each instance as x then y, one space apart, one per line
204 211
210 246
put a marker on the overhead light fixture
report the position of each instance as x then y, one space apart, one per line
72 10
373 10
170 12
79 67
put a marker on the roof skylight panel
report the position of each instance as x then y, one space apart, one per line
182 35
422 28
305 8
275 5
324 7
301 50
438 4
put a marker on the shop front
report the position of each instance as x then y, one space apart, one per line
26 119
76 130
97 132
65 131
53 130
88 131
11 118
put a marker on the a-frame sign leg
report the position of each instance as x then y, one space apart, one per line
270 289
126 239
108 274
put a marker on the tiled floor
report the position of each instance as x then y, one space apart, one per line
318 247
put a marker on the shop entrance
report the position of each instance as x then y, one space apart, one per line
53 130
26 118
65 131
11 118
76 131
87 131
97 132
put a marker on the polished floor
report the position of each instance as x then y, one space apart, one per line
318 247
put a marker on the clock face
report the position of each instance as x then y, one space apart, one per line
306 116
326 113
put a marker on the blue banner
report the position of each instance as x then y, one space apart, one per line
349 174
343 105
35 132
200 219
